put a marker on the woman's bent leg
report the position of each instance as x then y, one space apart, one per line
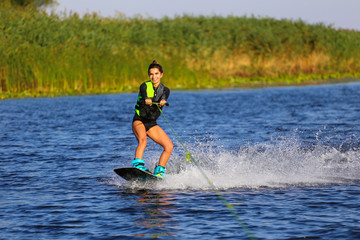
140 134
160 137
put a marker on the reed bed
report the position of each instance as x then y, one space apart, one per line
42 54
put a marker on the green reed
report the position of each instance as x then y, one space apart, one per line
66 54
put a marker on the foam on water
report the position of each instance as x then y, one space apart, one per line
282 163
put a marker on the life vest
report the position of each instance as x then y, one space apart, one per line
145 111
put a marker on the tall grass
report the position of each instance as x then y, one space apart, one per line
66 54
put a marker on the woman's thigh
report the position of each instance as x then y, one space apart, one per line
159 136
139 130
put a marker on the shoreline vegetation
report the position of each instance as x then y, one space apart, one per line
52 55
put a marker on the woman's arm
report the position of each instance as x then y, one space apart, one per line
165 96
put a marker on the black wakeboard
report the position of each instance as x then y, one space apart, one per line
135 174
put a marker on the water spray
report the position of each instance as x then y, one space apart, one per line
190 158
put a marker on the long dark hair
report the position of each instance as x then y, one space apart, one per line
155 64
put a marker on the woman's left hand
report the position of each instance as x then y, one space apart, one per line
162 102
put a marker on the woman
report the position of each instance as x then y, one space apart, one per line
152 96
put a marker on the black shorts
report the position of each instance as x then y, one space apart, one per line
147 123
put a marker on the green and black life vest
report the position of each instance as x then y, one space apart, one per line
145 111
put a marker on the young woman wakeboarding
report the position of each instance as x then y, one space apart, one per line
152 96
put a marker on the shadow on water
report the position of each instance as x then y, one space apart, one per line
154 213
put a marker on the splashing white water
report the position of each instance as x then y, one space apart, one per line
281 164
264 165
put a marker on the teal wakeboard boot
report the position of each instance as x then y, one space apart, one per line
159 172
139 164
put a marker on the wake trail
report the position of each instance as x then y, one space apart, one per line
283 163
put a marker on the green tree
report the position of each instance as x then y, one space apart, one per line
35 3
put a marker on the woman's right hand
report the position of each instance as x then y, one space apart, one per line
148 101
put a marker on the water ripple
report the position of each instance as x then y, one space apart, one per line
286 159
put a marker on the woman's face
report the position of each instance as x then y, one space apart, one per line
155 76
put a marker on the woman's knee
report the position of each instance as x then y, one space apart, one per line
142 140
169 147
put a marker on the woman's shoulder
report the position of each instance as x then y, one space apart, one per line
166 91
164 87
145 83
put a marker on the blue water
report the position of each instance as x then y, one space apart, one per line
286 159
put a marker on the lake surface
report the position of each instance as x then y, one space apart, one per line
286 160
